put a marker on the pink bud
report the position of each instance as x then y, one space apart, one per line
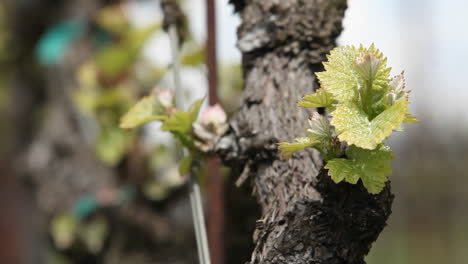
213 120
164 96
213 115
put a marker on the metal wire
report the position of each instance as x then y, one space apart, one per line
195 194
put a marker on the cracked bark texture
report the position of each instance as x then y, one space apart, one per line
306 218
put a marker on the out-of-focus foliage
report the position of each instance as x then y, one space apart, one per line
116 59
63 230
194 55
67 228
109 81
111 74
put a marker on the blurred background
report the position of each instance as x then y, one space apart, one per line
75 188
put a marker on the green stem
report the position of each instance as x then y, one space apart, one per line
366 98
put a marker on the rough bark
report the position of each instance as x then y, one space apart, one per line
306 218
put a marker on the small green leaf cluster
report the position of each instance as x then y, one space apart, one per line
365 107
160 106
197 134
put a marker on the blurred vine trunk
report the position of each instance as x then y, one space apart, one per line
58 165
306 218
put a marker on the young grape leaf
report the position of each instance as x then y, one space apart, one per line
143 112
287 149
320 129
354 127
371 65
371 166
194 109
410 119
343 169
178 122
349 69
181 122
367 66
339 76
320 98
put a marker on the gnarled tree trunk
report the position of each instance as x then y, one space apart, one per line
306 218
